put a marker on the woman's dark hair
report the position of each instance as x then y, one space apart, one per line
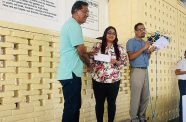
115 42
78 6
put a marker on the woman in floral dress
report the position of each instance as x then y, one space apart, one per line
106 75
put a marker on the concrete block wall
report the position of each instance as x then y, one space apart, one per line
28 61
168 17
29 58
28 88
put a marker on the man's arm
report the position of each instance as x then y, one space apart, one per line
179 72
82 52
133 55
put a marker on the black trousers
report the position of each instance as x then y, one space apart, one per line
104 91
182 88
72 97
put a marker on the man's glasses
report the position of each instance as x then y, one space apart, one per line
84 11
141 29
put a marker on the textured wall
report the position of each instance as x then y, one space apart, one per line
29 57
28 91
168 17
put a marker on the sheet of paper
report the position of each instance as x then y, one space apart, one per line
102 57
184 107
161 43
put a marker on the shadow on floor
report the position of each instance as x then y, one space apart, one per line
174 120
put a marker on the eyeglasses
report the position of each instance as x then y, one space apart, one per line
141 29
111 33
84 11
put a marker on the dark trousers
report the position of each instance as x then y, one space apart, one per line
182 88
72 96
101 92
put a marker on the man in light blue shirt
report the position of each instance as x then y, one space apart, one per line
142 60
72 56
69 58
138 53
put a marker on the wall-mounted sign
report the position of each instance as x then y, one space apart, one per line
51 14
39 8
39 13
93 19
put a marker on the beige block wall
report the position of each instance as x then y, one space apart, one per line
28 89
29 58
168 17
28 61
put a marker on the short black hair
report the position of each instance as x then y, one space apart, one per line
78 5
136 26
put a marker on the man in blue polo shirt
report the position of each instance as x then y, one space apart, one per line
72 56
139 53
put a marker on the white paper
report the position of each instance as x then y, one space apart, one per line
184 107
102 57
161 43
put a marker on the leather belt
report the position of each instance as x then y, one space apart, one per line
140 67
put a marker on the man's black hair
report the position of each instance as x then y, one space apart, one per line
136 26
78 6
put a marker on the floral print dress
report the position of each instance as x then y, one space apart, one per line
105 72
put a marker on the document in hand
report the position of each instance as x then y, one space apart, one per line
161 43
102 57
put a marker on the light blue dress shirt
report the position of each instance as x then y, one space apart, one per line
134 45
70 36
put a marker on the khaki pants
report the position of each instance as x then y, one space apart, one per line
139 94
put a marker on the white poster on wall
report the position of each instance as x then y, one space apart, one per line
98 18
92 22
51 14
45 9
39 13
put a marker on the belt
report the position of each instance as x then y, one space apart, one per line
140 67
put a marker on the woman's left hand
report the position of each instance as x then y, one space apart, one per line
114 61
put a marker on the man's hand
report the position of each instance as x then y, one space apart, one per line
179 72
147 45
152 49
82 52
90 69
91 53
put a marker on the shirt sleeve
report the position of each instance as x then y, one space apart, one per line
179 65
75 34
129 46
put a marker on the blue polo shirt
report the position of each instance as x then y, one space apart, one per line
70 36
134 45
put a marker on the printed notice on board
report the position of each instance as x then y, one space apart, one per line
38 8
92 21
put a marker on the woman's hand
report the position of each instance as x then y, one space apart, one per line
114 61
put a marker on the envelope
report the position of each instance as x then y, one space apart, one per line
102 57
